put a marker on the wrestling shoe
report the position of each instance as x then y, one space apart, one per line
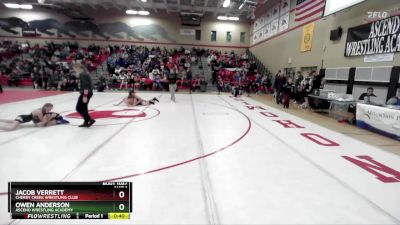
91 122
62 121
83 125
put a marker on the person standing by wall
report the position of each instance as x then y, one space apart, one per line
297 87
278 85
189 78
172 76
86 92
287 92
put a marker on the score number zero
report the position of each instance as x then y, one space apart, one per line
121 206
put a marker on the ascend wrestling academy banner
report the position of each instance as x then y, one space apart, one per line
382 36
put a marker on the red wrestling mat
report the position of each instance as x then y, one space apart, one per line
19 95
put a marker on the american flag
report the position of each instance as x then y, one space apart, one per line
308 10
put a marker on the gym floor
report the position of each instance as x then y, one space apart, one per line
210 159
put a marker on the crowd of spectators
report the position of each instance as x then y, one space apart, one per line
147 69
235 73
296 87
46 67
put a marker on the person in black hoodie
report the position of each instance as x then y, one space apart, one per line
280 80
86 92
287 92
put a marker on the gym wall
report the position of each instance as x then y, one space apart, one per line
113 26
275 53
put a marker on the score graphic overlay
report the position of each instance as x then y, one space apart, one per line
70 200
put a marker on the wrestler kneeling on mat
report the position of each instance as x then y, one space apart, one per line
42 117
134 100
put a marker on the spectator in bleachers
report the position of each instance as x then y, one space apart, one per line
13 78
101 85
48 65
54 80
196 83
172 78
123 77
39 63
36 79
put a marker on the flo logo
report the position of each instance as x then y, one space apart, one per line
113 117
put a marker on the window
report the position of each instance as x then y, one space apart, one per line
242 37
228 36
198 35
213 35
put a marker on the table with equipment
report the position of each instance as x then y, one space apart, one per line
338 108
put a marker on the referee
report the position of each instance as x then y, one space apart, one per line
86 92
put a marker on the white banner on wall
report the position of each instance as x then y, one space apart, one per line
379 58
267 31
379 119
274 21
268 16
261 22
256 25
255 39
260 35
284 22
285 7
188 32
275 11
274 26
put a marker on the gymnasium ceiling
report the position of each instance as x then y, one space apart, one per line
76 8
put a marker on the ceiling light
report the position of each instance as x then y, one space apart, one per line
25 6
232 18
144 0
11 5
134 12
191 14
144 13
17 6
226 3
41 1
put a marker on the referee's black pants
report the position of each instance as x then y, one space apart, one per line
82 108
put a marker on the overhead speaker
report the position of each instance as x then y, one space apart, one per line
336 34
